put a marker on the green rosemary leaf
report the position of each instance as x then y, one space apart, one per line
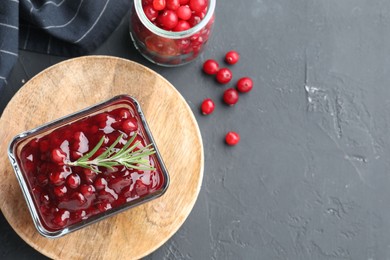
93 151
126 156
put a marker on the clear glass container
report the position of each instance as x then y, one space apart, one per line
63 198
169 48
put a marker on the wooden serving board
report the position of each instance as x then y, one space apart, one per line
78 83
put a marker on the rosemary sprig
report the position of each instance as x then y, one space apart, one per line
111 157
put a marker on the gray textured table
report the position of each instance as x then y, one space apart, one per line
310 178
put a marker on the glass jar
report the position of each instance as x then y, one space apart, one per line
170 48
64 196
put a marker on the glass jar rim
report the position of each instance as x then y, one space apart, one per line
170 34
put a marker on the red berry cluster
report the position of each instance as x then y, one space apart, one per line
230 95
175 15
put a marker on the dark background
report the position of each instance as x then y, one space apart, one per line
310 178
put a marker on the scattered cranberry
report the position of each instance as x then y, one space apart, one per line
210 67
159 4
207 106
244 84
230 96
232 57
224 75
232 138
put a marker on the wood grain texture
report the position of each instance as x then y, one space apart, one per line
78 83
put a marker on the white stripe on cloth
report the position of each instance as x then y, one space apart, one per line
9 52
46 3
93 25
9 25
71 20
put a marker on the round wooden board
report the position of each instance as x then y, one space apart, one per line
78 83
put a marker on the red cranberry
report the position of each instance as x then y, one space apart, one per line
104 206
224 75
198 5
168 19
184 12
232 57
207 106
183 2
232 138
89 175
147 2
42 179
100 183
140 188
45 199
124 114
150 12
210 67
244 84
61 217
87 190
73 181
44 146
181 26
130 125
194 20
58 156
172 4
230 96
57 178
159 4
60 191
79 197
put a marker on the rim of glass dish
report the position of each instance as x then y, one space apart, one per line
169 34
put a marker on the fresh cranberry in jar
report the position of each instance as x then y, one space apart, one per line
198 5
181 26
167 19
184 12
224 75
159 4
150 12
172 4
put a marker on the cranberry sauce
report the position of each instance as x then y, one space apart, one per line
65 195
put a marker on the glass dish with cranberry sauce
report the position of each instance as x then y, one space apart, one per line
87 166
171 32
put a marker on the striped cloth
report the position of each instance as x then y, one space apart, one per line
56 27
